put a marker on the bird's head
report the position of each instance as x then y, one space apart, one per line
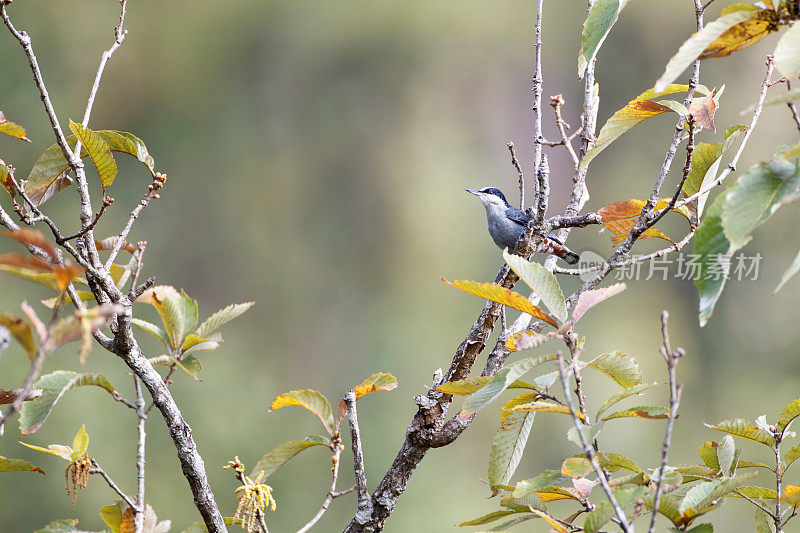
490 197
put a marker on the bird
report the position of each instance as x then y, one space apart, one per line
506 224
5 338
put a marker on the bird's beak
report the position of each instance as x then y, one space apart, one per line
473 191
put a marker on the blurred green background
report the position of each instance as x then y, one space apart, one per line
317 155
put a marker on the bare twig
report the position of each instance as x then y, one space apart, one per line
520 174
591 455
671 358
556 102
537 95
141 416
751 500
792 107
364 501
96 469
152 193
337 452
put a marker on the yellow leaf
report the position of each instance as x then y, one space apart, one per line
622 228
547 518
12 129
742 35
376 382
496 293
791 495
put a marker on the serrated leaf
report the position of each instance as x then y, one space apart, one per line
787 52
604 511
49 174
637 110
744 429
507 447
590 432
170 312
33 414
791 495
763 524
496 293
111 515
620 367
221 317
152 329
12 129
755 196
500 382
789 274
789 413
708 453
726 451
278 457
310 399
576 467
488 518
620 229
548 407
545 480
526 340
727 34
98 151
791 456
590 298
613 462
188 310
636 390
80 444
705 165
601 18
757 493
59 526
541 281
194 343
653 412
21 331
705 494
17 465
380 381
713 251
524 503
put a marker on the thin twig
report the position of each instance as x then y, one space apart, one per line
671 358
751 500
792 107
588 449
96 469
556 102
364 501
519 174
538 81
152 193
141 416
337 452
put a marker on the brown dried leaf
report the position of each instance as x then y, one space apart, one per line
7 178
109 242
160 292
33 238
526 340
705 108
28 262
65 274
21 331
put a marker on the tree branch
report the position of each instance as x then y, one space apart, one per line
141 416
97 470
364 501
337 452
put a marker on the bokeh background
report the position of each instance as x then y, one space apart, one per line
317 155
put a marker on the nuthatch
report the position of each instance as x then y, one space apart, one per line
506 224
5 338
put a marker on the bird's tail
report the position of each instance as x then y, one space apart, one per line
551 245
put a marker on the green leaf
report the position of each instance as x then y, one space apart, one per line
522 504
787 52
791 456
169 309
11 128
636 390
488 518
613 462
80 444
98 151
604 512
507 447
310 399
653 412
33 414
744 429
789 413
590 432
708 453
789 274
152 329
278 457
705 494
463 387
17 465
705 164
576 467
713 251
698 43
755 196
188 310
5 179
757 493
620 367
601 18
192 343
500 382
637 110
546 479
111 515
541 281
549 407
726 452
223 316
59 526
763 524
783 98
200 527
49 174
59 450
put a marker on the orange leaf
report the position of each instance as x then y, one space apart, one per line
496 293
109 242
742 35
33 238
65 274
376 382
622 228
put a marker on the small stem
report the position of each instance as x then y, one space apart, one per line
520 174
364 501
138 519
97 470
337 445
